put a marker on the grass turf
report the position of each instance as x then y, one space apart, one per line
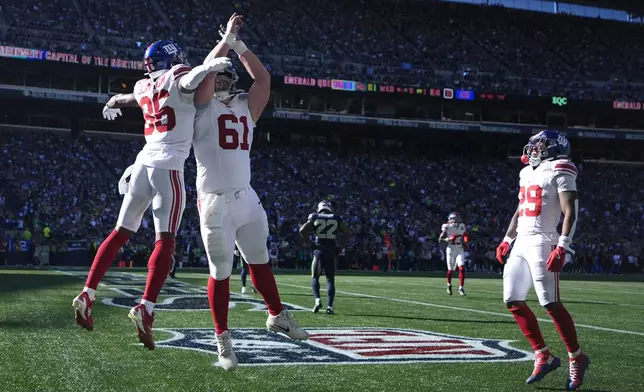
41 348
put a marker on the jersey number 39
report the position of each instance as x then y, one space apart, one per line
325 228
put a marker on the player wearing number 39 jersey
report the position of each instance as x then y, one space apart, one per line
167 99
547 188
230 211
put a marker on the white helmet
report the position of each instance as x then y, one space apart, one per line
324 206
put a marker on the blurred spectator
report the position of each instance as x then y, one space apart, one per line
64 182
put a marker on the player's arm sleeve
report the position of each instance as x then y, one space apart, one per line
565 176
443 233
189 79
122 100
565 183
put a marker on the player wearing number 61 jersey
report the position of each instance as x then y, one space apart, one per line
167 100
547 188
230 211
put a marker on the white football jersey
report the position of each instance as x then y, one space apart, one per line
169 120
457 229
222 143
539 208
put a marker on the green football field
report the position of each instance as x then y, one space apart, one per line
391 333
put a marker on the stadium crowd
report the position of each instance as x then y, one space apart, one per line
69 187
413 42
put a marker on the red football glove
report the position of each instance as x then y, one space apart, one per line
502 251
557 259
452 238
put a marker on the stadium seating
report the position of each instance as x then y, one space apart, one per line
515 51
70 185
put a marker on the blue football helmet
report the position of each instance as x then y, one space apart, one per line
545 146
163 55
324 206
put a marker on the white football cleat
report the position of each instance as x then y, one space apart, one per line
227 357
286 324
461 291
243 290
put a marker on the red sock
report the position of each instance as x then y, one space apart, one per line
264 282
158 268
566 327
219 297
104 258
461 276
529 326
449 277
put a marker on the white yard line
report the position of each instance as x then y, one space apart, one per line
566 285
463 309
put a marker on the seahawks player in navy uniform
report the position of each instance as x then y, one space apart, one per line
324 225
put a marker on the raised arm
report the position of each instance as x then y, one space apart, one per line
206 89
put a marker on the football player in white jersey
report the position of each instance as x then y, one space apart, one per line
229 209
167 100
454 233
548 187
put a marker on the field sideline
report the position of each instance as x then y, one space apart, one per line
398 333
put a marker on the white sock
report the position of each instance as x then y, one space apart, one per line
575 354
149 306
91 293
543 350
317 301
460 287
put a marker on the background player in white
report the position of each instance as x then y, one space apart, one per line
230 211
454 233
547 188
166 98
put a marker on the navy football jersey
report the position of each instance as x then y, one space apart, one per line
325 229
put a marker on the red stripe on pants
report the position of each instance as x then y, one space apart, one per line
176 201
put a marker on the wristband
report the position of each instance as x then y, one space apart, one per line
239 47
509 240
228 38
564 242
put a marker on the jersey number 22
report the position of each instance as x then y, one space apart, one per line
325 228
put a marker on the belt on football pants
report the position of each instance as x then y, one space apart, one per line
234 195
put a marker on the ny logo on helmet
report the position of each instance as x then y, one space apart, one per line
170 49
561 139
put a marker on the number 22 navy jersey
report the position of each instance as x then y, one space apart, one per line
325 229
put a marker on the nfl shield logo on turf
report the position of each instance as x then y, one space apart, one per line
254 346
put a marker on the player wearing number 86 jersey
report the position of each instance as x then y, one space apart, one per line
547 188
156 178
